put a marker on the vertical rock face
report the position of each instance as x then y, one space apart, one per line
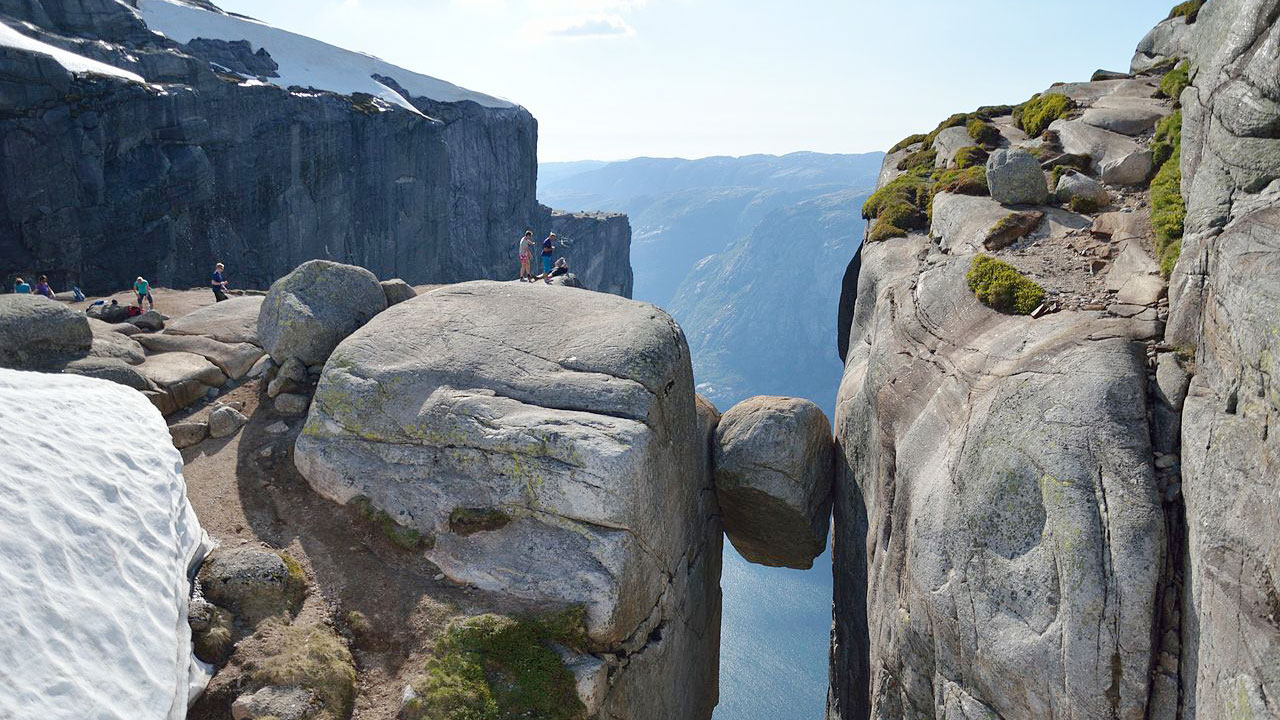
1224 293
107 177
559 465
598 248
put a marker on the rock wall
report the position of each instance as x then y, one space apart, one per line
598 248
1016 533
105 178
1225 292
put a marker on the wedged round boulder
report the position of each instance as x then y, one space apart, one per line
774 464
37 333
559 464
232 321
1015 178
397 291
1074 185
312 309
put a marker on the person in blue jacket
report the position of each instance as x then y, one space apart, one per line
219 283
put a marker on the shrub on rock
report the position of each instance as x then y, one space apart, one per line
1035 115
1000 286
312 309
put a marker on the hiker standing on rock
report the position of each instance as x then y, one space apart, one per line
42 287
548 247
526 255
219 283
142 288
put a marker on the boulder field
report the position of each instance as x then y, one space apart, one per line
1056 492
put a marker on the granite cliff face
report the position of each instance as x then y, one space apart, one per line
208 147
1062 507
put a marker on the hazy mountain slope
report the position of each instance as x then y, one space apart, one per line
752 312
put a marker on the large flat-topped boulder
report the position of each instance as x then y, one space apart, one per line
232 321
774 462
37 333
233 359
310 310
107 343
560 463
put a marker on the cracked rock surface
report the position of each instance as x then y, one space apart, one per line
579 437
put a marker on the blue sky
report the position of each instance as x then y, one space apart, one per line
613 79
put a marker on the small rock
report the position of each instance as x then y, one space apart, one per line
149 320
293 369
281 703
225 421
397 291
277 428
186 434
1074 185
233 404
266 452
281 384
292 404
1015 178
439 577
1164 462
253 582
260 368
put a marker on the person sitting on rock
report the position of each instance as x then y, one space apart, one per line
526 255
142 288
21 287
219 283
561 268
42 287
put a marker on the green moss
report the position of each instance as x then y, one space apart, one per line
1000 286
1168 209
1189 10
1175 81
907 142
962 181
492 667
1035 115
312 657
1083 205
882 230
971 156
923 158
357 623
405 537
983 132
468 521
898 207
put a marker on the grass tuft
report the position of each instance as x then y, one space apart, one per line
983 133
971 156
1001 287
1189 10
1168 209
312 657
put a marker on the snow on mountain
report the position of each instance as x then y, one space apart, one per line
69 60
97 540
304 61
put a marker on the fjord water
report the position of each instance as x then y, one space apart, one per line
776 625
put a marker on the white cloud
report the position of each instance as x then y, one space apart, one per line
579 27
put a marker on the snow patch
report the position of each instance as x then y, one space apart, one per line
67 59
303 61
97 544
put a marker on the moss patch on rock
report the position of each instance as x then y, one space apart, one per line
983 132
492 667
1189 10
311 657
1168 209
1001 287
1175 81
405 537
907 142
468 521
898 207
1035 115
971 156
923 158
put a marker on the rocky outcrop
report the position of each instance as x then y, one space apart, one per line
1223 299
773 467
37 333
562 464
1015 178
110 177
598 249
313 308
1074 515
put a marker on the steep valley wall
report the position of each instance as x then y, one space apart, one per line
1074 515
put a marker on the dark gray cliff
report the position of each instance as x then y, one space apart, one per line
103 179
598 248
